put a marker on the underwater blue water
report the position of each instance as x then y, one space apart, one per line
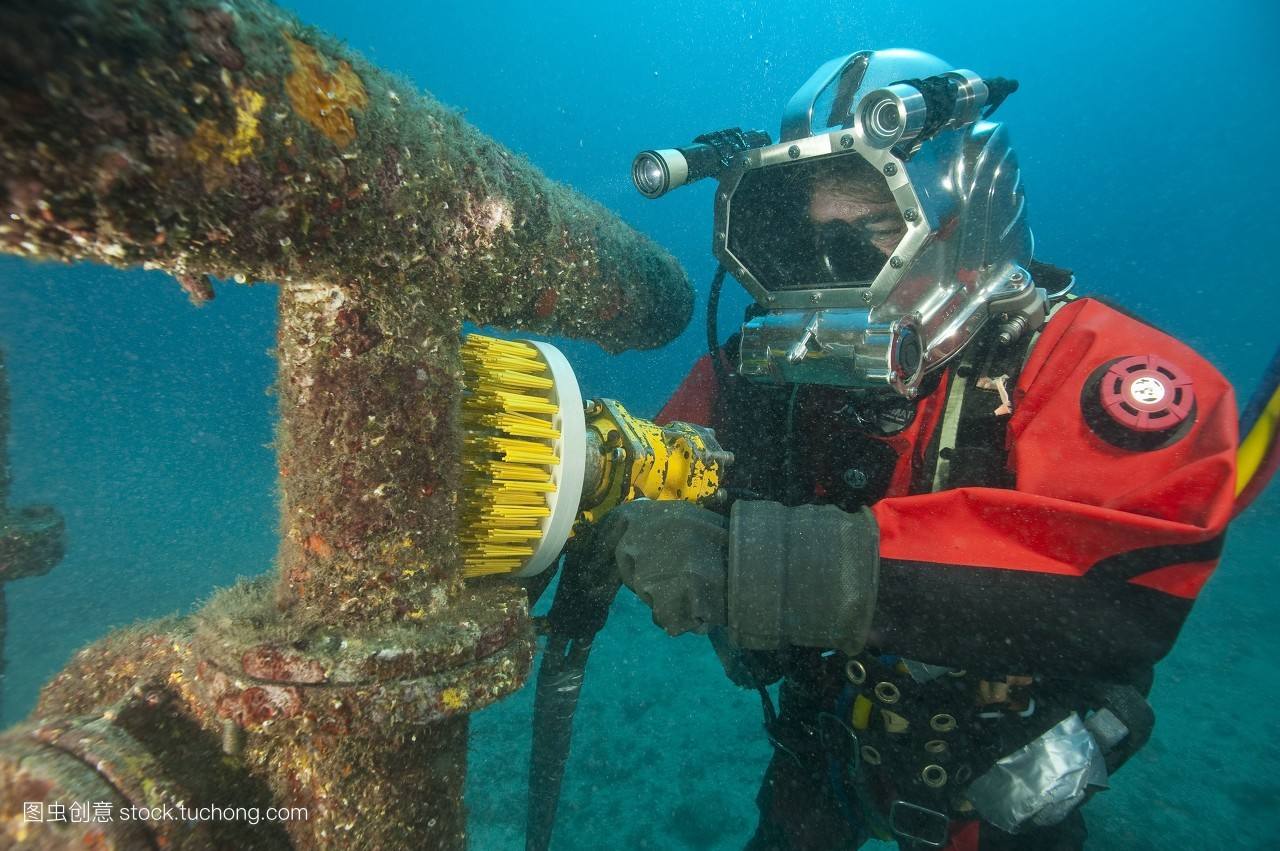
1148 135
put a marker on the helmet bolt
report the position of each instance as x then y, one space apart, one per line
910 214
895 262
793 151
867 296
890 169
846 141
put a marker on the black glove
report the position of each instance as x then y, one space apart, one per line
774 576
671 554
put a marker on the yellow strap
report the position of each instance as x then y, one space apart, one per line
1253 449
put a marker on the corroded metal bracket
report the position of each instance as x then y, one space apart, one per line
365 733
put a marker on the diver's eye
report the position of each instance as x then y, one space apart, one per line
884 226
884 231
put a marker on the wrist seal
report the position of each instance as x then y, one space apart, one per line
804 575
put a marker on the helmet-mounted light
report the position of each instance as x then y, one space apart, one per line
892 115
656 172
917 110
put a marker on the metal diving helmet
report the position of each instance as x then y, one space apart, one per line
885 229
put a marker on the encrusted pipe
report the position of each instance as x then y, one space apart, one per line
228 141
231 141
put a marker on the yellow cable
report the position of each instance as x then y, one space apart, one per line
1253 449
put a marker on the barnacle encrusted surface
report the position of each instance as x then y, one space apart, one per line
229 141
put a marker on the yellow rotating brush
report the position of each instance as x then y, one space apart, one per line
523 456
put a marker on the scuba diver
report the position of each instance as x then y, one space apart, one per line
968 511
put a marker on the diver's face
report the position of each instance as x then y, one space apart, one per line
867 210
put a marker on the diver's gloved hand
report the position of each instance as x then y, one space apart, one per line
672 555
774 576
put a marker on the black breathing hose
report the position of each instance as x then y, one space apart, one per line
713 336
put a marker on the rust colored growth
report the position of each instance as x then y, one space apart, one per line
247 706
256 705
323 97
199 288
272 663
546 303
317 545
353 333
612 303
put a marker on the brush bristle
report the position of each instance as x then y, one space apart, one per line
507 455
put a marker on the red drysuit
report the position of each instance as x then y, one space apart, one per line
1087 565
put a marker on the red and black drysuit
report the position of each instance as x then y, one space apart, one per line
1048 544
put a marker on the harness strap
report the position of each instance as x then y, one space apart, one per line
949 428
970 448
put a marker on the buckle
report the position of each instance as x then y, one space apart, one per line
919 824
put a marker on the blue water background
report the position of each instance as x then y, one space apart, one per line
1148 136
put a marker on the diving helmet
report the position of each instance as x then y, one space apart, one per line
883 231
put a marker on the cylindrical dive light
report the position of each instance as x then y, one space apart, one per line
919 109
656 172
537 460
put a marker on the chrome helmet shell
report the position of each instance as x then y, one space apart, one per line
965 243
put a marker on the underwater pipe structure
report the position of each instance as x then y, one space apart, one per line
226 140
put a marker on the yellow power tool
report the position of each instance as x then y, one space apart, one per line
538 460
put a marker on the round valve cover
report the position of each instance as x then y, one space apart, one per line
1146 393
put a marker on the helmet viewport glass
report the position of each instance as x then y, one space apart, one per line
818 223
